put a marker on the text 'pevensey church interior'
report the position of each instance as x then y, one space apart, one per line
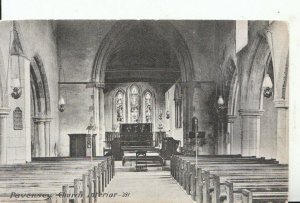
136 110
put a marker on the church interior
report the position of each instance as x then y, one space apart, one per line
136 110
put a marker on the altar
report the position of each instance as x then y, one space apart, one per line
136 134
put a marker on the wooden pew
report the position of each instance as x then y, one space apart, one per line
176 165
276 188
261 196
269 185
185 173
244 175
94 182
48 176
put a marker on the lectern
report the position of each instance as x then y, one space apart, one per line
81 145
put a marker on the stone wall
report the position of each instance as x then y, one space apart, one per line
36 38
170 128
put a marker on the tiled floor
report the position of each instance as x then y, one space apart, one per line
144 187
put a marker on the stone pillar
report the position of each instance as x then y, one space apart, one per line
250 131
230 127
101 117
222 126
187 90
40 123
3 134
282 131
221 135
47 137
96 117
185 116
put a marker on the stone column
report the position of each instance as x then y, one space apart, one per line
187 90
221 135
282 131
3 134
222 126
47 137
40 123
101 118
250 131
96 117
185 116
230 127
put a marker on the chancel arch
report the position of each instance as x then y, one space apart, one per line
40 109
139 51
119 30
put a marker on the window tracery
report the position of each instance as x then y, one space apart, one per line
120 106
134 104
148 106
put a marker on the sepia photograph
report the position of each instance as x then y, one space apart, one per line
164 111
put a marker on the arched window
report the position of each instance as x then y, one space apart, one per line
134 99
119 105
178 106
148 107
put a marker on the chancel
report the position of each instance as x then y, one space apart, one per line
144 111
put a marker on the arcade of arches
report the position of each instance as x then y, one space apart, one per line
165 73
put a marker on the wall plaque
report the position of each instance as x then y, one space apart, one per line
17 115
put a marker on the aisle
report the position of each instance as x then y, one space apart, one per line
145 187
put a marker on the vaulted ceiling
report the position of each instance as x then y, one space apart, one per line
142 55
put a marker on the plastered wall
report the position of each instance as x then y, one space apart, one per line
36 38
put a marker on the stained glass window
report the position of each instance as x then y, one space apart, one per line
134 104
148 107
120 106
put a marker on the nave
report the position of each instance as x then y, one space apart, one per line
204 179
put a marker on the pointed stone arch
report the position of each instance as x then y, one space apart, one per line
39 85
120 28
233 84
253 65
254 61
41 109
232 110
166 31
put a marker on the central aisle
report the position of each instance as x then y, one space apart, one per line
145 187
